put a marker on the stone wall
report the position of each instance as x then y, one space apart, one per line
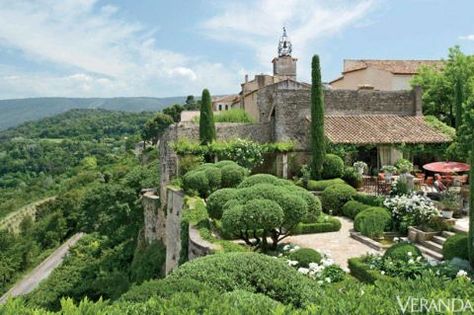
286 106
261 133
198 247
174 207
155 218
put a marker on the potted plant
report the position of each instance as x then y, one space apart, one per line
360 166
450 203
389 170
404 166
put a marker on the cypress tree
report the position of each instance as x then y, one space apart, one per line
207 129
318 143
458 100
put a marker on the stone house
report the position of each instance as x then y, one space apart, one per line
226 102
385 75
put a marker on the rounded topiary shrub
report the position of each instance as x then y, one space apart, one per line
305 256
223 163
353 177
214 177
232 175
456 246
333 167
372 222
217 200
313 203
320 185
352 208
402 251
196 182
334 197
251 272
263 179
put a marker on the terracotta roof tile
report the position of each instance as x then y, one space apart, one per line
394 66
381 129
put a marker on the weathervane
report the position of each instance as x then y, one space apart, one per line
284 46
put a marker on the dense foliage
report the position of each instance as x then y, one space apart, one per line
333 167
334 197
207 129
456 246
372 222
231 116
318 141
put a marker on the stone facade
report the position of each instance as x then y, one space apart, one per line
155 218
174 207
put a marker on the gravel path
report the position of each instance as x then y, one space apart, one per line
42 271
339 245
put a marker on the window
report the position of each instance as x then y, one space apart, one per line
227 107
220 106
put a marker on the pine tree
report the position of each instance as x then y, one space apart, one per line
458 100
318 143
207 129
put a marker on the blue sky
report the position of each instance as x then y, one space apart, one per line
99 48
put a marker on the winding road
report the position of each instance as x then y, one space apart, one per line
42 271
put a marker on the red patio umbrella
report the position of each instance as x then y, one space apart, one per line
447 167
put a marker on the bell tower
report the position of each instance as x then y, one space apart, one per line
284 66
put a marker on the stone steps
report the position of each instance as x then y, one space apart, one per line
447 234
439 239
429 253
433 246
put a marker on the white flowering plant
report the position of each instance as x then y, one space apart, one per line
410 210
414 266
246 153
324 272
360 166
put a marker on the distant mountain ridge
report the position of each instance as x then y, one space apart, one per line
16 111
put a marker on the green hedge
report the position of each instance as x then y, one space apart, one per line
329 224
320 185
334 197
371 200
360 270
352 208
333 167
148 263
456 246
251 272
373 221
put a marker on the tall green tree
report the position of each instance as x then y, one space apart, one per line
207 128
155 127
458 101
318 143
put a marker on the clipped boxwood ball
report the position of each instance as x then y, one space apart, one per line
333 167
217 200
263 179
456 246
352 208
334 197
401 251
305 256
232 175
214 177
196 181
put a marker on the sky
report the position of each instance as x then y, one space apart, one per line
161 48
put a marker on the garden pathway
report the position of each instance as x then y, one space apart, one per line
339 245
462 224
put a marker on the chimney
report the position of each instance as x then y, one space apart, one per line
418 101
246 78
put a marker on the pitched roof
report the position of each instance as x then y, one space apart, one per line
381 129
393 66
227 98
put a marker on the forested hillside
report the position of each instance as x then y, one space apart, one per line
17 111
87 160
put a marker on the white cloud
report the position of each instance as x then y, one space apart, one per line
257 24
103 54
467 37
